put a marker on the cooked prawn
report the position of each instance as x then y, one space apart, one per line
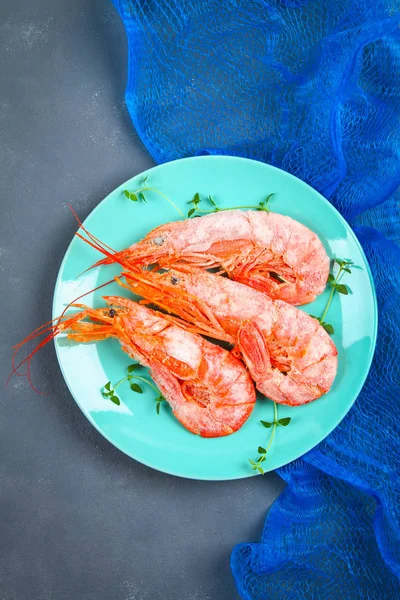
267 251
289 355
208 388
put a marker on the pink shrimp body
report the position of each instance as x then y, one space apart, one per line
289 355
209 390
266 251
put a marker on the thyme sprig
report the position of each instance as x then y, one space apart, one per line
140 194
108 390
345 265
262 452
197 209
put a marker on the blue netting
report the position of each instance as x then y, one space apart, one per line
312 87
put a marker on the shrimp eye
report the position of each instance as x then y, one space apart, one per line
174 280
111 313
158 241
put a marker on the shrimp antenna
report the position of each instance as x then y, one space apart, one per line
95 240
95 243
52 328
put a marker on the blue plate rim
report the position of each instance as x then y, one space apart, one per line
367 364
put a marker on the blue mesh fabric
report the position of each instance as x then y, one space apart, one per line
313 87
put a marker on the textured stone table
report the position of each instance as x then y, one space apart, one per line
78 519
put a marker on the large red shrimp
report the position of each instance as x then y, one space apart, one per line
288 353
208 388
267 251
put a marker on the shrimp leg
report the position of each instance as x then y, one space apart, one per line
254 350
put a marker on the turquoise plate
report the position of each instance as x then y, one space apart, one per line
160 441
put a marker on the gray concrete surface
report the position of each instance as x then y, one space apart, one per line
75 522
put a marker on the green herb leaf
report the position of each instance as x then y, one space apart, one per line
317 318
141 197
262 458
254 467
212 201
264 205
261 450
251 461
158 408
346 269
191 212
342 288
266 424
338 261
260 470
331 278
328 328
285 421
115 399
127 193
108 385
144 180
196 198
133 367
135 387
